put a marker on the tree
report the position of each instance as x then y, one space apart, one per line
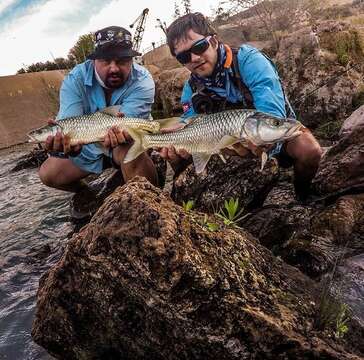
221 13
187 6
57 64
83 47
177 12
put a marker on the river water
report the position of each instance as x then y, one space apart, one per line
34 227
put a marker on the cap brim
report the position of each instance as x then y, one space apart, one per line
117 53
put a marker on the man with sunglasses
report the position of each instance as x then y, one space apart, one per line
223 78
109 77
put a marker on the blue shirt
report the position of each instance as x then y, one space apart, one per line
258 74
81 94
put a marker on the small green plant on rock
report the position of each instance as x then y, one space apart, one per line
210 226
188 206
203 222
333 315
231 213
341 321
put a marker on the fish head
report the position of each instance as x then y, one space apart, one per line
261 128
41 134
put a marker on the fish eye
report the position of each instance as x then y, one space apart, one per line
275 122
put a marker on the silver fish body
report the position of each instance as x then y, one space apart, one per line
91 128
208 134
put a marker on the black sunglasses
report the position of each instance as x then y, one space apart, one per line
197 48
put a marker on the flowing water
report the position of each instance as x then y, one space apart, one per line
34 227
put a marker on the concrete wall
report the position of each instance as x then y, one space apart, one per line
26 101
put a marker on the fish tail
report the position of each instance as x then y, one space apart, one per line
137 148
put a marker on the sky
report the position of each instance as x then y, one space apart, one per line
39 30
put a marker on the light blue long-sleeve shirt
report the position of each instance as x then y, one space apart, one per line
258 74
82 94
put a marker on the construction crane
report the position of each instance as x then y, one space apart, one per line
139 30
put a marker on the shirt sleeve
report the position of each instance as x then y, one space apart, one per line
70 99
140 99
262 79
186 101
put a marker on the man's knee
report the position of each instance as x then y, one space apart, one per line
312 153
47 175
56 172
305 149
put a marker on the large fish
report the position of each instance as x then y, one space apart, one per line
205 135
91 128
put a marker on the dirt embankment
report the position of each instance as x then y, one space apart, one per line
26 101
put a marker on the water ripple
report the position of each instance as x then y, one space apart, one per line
32 218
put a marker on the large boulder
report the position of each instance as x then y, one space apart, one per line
319 73
238 178
313 237
342 167
144 280
356 119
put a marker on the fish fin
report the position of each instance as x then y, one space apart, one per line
264 158
222 158
168 122
225 142
200 161
137 148
111 110
32 139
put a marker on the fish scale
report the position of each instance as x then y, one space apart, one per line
86 129
205 135
212 127
91 128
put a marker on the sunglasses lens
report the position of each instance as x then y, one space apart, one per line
184 57
200 47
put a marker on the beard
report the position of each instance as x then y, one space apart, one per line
115 80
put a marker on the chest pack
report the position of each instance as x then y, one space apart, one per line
205 100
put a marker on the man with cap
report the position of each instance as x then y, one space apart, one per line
109 77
